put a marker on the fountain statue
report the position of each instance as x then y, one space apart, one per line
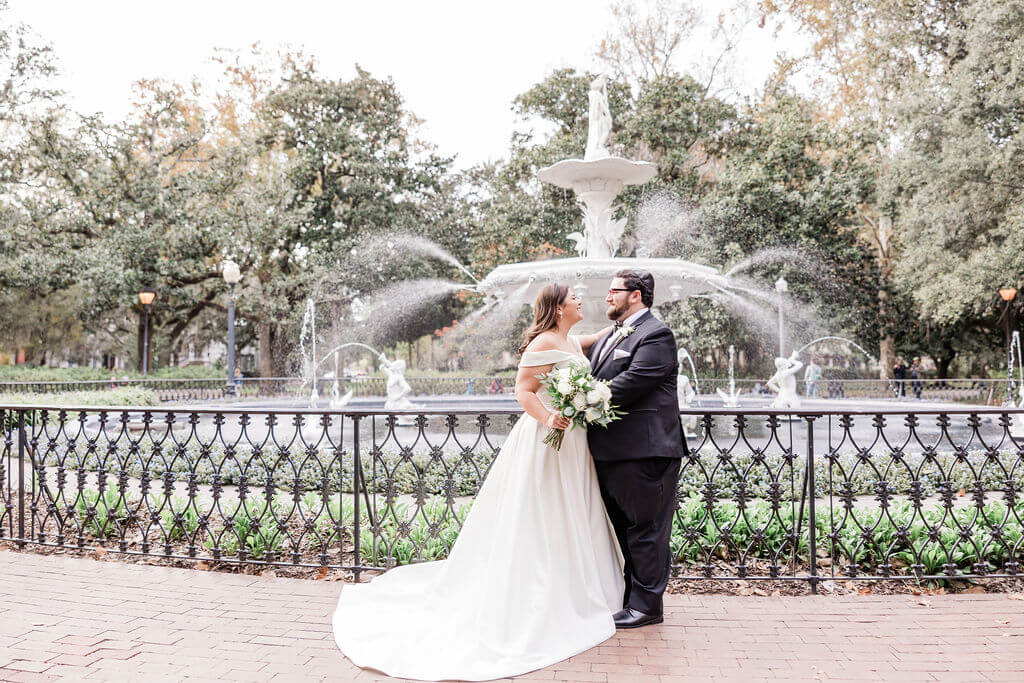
683 356
783 382
398 389
597 179
686 392
599 124
732 398
686 395
340 401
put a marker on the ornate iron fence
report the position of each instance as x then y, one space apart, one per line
973 391
879 494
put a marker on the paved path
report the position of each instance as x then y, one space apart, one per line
80 618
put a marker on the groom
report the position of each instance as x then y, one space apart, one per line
638 457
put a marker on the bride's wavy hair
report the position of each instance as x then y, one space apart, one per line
545 312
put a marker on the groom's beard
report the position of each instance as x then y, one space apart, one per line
617 312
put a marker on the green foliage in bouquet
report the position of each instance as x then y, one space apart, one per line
579 397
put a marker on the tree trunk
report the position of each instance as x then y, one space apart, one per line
944 360
887 343
886 356
280 352
264 349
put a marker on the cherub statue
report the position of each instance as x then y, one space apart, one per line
579 241
783 382
686 395
398 389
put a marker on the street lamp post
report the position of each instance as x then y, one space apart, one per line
1007 294
232 275
781 286
146 296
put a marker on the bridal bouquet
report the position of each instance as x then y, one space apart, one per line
578 396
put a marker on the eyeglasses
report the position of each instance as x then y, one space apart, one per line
614 290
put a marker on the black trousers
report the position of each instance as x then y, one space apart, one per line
640 496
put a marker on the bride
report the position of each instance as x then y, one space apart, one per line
536 572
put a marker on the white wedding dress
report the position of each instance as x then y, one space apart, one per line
534 577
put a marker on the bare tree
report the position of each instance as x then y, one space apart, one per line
649 39
645 39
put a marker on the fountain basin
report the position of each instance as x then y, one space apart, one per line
674 279
610 174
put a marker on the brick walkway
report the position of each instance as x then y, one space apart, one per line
80 618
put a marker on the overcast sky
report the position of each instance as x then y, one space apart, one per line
458 63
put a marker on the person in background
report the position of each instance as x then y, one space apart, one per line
899 371
811 376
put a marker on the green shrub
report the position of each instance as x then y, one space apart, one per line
865 538
178 517
118 397
423 535
100 515
330 517
30 373
254 527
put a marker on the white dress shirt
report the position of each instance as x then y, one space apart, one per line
612 338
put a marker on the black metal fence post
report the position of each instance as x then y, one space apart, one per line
357 468
21 478
812 527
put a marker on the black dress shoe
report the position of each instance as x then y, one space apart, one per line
631 618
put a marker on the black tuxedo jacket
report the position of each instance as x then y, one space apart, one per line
643 385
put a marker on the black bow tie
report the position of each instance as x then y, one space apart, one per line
618 324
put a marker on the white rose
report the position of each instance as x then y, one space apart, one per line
604 391
563 373
594 397
580 402
564 386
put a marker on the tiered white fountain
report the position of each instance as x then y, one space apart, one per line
597 180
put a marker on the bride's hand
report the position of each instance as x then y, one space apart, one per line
556 421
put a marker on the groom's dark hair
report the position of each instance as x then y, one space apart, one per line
641 281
